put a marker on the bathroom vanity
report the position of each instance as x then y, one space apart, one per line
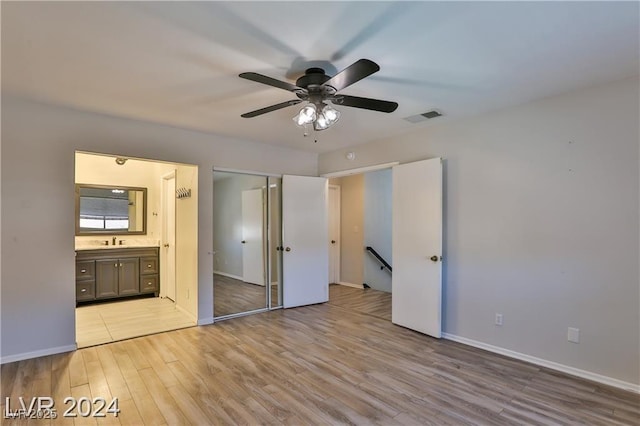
111 273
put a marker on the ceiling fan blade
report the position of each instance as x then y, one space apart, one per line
365 103
270 108
353 73
259 78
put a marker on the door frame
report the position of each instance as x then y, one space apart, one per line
390 165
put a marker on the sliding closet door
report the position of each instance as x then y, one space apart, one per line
239 243
305 245
417 246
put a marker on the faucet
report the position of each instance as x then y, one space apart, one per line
114 241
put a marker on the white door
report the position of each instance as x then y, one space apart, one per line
334 234
168 251
417 246
252 241
306 250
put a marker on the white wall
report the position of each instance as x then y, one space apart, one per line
377 227
38 145
186 237
541 224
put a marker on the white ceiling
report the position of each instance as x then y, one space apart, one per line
178 63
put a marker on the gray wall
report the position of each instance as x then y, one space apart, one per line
38 146
377 227
541 224
227 219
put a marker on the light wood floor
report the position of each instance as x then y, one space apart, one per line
231 296
109 322
322 364
371 302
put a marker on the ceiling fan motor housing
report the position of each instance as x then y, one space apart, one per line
312 77
313 82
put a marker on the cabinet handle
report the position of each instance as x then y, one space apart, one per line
115 265
148 266
83 290
82 271
121 265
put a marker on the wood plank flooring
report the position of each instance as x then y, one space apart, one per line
321 364
232 296
109 322
371 302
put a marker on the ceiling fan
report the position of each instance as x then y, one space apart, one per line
317 88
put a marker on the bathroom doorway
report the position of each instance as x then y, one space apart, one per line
130 215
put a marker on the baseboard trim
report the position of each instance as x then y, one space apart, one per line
599 378
350 284
224 274
36 354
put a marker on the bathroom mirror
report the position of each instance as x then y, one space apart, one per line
114 210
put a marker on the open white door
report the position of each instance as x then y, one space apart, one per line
417 246
306 250
252 232
168 254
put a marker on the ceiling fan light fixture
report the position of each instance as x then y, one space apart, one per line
331 114
327 117
307 115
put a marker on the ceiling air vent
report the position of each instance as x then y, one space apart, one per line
423 117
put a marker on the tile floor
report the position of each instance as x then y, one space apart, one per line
109 322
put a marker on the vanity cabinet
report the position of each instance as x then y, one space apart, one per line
117 277
117 272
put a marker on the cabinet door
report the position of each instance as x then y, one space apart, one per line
129 276
106 278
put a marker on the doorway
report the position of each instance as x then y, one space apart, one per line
392 216
128 282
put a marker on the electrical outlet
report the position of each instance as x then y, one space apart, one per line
573 335
498 319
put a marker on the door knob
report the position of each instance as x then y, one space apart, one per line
166 245
434 258
277 248
244 242
333 241
287 249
